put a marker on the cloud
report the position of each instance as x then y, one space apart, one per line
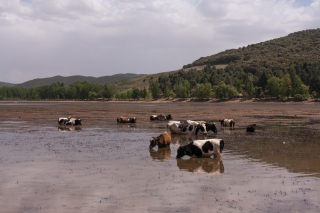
42 38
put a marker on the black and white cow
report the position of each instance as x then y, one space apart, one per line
227 122
202 148
122 119
69 121
63 120
160 117
74 121
251 128
191 127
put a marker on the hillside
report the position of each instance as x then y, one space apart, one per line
71 79
296 48
4 84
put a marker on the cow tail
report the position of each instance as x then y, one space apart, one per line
221 145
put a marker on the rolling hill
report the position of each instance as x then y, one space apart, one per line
71 79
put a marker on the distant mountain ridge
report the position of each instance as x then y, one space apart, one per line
72 79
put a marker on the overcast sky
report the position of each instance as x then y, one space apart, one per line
45 38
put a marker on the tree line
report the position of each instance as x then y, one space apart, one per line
210 82
227 83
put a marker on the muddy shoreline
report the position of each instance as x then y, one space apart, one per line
107 167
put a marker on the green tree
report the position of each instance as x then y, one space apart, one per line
135 93
263 80
168 93
109 91
154 88
285 85
180 91
250 89
203 90
274 86
225 91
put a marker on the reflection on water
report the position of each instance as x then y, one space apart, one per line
294 148
201 165
161 154
126 125
69 128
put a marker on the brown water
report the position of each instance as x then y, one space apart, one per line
109 168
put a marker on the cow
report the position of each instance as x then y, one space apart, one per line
74 121
160 117
251 128
202 148
126 119
163 140
202 165
227 122
69 121
190 127
63 120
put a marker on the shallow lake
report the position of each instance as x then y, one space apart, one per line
109 168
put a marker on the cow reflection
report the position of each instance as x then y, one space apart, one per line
69 128
201 165
161 154
126 125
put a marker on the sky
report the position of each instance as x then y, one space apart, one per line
46 38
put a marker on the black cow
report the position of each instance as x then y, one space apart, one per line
160 117
202 148
251 128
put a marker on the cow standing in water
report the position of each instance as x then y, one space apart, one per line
163 140
160 117
251 128
69 121
191 127
227 122
122 119
202 148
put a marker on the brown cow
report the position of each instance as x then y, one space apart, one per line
163 140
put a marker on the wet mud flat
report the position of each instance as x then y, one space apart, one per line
103 166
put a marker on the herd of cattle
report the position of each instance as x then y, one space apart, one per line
197 148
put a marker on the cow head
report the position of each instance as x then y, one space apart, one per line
211 127
132 120
169 117
221 121
181 151
202 127
184 150
77 121
153 142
